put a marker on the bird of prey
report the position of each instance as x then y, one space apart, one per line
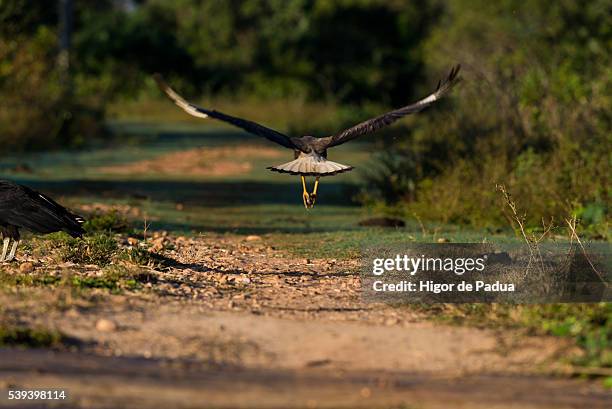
22 207
310 153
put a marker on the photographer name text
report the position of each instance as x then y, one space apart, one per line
437 288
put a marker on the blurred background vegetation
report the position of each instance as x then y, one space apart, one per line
533 113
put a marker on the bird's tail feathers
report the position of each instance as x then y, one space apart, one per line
311 166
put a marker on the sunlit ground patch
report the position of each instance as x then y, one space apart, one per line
209 161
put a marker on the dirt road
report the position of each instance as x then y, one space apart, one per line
231 322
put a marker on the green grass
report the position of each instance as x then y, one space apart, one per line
98 249
11 280
589 324
115 278
30 337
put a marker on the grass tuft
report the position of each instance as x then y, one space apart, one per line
139 256
98 249
114 278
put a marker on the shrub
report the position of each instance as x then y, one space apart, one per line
532 114
38 110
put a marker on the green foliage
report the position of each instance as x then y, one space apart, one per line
99 248
27 280
298 48
534 111
139 256
114 278
533 114
29 337
590 325
38 110
107 222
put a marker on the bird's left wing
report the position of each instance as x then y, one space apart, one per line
381 121
247 125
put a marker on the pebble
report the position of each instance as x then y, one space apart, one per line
391 321
104 325
253 237
158 245
72 313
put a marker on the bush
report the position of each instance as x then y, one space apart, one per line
38 112
532 114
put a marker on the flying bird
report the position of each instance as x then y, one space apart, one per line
310 153
22 207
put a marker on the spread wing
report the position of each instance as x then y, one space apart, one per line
200 112
381 121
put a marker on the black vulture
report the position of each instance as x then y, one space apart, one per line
22 207
310 153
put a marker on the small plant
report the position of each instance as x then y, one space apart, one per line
139 256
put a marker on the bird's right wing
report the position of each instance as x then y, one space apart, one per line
381 121
200 112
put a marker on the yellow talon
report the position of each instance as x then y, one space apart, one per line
306 198
305 195
313 195
309 198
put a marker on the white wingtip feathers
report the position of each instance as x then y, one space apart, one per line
178 100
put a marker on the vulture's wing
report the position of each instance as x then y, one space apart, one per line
200 112
381 121
24 207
